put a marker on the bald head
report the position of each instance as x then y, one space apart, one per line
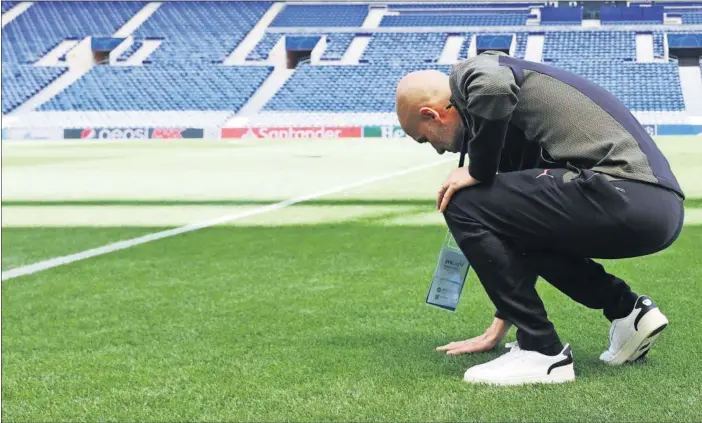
426 88
421 99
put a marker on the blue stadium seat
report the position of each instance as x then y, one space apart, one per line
20 82
455 19
153 88
321 16
136 45
336 88
658 44
561 23
405 47
337 43
631 23
692 18
463 5
7 5
45 24
184 72
263 48
214 29
522 38
583 44
641 86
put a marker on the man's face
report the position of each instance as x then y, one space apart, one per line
444 134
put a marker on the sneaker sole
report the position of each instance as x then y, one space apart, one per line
650 328
560 375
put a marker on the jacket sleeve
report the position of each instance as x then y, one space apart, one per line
488 93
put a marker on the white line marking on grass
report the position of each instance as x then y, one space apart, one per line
121 245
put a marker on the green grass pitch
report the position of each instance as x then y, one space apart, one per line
311 313
308 323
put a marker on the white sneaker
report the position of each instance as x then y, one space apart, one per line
519 367
631 337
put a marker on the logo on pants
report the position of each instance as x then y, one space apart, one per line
544 173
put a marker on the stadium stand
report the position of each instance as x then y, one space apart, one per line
405 47
631 23
658 46
7 5
20 82
263 48
396 6
36 31
452 18
692 18
337 43
641 86
126 54
321 16
463 53
174 87
213 29
607 58
336 88
596 44
185 72
522 38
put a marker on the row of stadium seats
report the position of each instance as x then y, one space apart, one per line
394 6
20 82
36 31
692 18
641 86
336 88
182 75
214 29
136 45
321 16
600 44
354 15
405 47
417 46
7 5
429 20
650 86
173 87
337 43
264 47
385 46
630 23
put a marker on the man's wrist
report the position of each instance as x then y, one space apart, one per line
499 329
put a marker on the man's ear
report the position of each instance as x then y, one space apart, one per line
428 113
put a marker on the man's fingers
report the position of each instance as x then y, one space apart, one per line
440 197
459 344
476 346
451 345
447 196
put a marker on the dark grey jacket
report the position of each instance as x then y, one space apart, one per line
524 115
